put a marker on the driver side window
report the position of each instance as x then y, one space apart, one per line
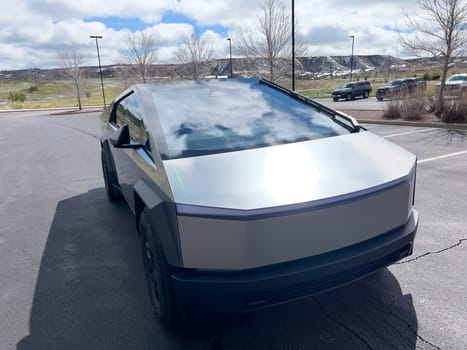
130 112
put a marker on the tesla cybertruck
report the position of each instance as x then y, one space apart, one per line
248 195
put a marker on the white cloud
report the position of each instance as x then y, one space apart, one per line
44 27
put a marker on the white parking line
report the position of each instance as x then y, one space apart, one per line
408 133
441 157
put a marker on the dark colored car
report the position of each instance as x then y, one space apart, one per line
414 84
247 195
351 90
399 88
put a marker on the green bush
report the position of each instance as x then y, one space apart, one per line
434 74
32 88
16 96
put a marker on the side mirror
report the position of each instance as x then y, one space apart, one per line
121 138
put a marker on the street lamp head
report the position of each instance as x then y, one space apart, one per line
352 36
95 36
229 39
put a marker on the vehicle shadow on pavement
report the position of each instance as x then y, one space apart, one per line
91 294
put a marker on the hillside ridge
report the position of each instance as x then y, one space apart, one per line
306 67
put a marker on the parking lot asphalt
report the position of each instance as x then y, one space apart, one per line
367 104
71 275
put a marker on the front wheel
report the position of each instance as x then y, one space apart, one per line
157 273
335 99
348 97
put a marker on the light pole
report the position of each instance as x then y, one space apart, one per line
100 67
230 48
351 57
293 45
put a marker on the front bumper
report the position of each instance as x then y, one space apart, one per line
383 93
340 94
248 290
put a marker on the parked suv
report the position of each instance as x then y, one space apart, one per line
456 86
400 88
351 90
414 84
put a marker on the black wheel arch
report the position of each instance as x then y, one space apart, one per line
109 159
162 216
105 148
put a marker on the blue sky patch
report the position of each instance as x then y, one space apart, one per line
389 28
119 23
174 17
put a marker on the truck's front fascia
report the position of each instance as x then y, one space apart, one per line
229 291
244 260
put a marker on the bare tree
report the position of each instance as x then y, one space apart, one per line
72 61
441 31
269 39
193 52
140 54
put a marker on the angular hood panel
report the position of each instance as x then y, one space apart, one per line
288 174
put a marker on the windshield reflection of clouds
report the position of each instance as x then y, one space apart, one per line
219 116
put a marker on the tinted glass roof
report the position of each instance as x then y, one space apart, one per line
203 117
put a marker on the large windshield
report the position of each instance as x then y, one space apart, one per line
205 117
345 86
458 78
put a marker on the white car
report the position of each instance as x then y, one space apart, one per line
456 86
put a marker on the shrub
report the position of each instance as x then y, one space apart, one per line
392 110
32 88
434 74
454 111
413 107
16 96
410 107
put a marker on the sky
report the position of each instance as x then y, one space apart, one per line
34 32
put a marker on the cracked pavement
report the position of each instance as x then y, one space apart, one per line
409 260
72 277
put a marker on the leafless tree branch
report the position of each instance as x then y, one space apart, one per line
193 52
441 31
141 54
72 63
269 40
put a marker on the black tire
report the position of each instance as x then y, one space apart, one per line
366 94
335 99
379 98
158 273
348 97
110 180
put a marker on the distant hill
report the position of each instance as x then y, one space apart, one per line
307 67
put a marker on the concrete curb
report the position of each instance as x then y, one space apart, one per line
77 111
59 110
451 126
